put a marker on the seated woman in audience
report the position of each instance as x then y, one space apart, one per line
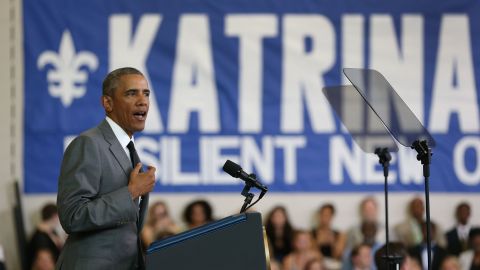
279 232
46 235
158 223
329 241
43 260
303 252
197 213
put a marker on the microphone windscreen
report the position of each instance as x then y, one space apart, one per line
232 168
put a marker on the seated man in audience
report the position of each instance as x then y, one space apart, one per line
457 237
368 232
470 259
409 232
420 252
368 214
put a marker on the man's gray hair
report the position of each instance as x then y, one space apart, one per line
110 82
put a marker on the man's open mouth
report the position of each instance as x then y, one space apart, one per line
140 115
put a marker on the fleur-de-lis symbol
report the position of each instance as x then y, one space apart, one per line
66 79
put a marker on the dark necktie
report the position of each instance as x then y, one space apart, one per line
135 160
133 154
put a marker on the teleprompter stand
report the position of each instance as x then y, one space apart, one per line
375 101
370 135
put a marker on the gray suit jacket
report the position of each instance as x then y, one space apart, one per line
95 207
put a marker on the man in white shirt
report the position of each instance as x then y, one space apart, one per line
457 237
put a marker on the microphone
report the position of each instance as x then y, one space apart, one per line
236 171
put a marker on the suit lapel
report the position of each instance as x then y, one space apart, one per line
115 147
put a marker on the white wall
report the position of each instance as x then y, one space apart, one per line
10 119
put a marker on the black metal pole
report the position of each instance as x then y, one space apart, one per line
387 239
424 156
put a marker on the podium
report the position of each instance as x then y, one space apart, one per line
235 243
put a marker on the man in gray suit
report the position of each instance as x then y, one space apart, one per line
102 190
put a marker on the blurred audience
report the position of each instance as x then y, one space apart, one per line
368 231
2 259
274 265
450 263
457 237
361 257
397 256
43 260
315 264
470 259
368 210
409 232
279 232
46 235
330 242
197 213
420 251
159 223
303 252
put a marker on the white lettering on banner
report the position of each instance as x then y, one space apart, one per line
400 61
290 147
250 30
353 46
217 144
342 157
308 53
409 168
260 159
193 85
469 178
454 84
127 49
166 155
363 168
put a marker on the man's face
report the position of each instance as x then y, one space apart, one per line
369 211
463 214
364 258
417 209
128 106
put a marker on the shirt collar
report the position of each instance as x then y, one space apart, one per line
463 231
121 135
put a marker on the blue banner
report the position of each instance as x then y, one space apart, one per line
242 80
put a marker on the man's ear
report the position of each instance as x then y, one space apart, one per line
107 103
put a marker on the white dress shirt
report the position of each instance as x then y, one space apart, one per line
121 135
463 231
